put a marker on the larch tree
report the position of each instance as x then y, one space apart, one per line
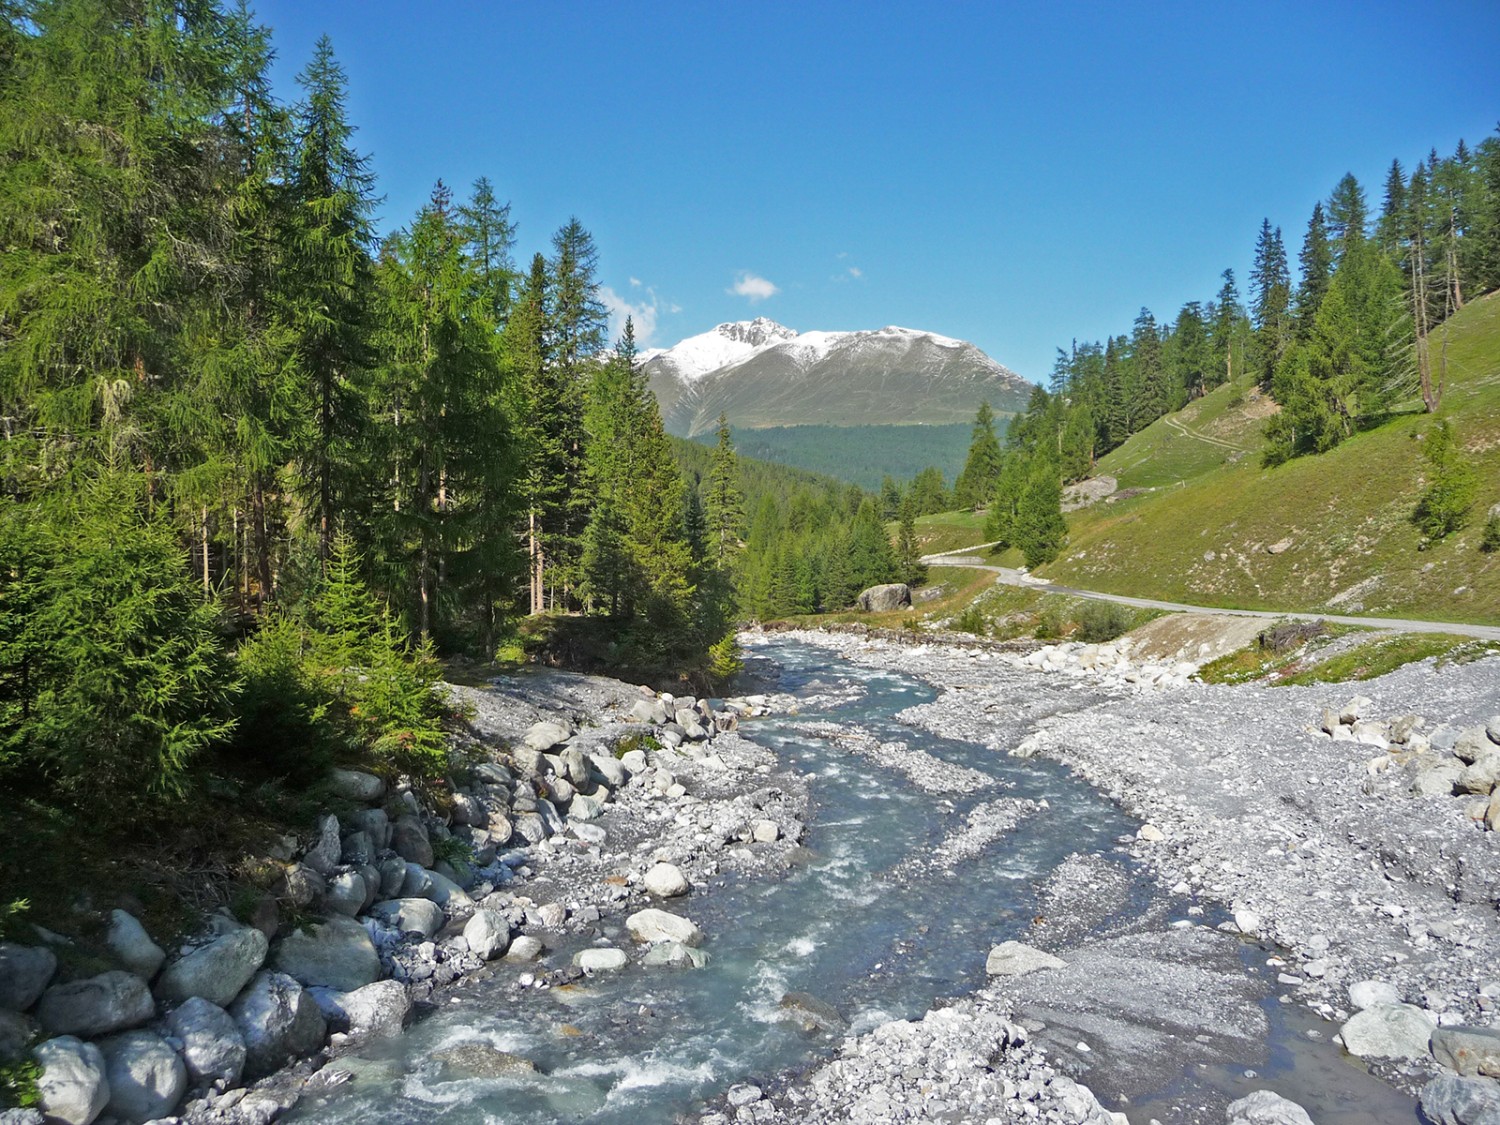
982 465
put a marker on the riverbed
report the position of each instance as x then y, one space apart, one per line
922 852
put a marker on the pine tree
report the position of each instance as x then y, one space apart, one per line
725 507
1316 263
1040 530
490 234
1348 215
1390 229
1270 283
982 466
1226 330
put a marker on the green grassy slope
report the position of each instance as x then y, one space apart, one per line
1204 534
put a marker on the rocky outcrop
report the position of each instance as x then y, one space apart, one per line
884 599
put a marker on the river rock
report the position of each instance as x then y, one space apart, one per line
410 841
480 1060
73 1087
358 848
652 925
587 806
529 827
374 823
16 1034
347 893
392 876
132 945
810 1013
448 894
379 1008
97 1005
1368 993
1483 775
337 954
279 1022
609 768
1264 1107
323 855
1387 1031
1470 1051
217 970
883 599
525 947
408 915
675 955
487 933
146 1078
212 1047
356 785
1436 778
600 959
1450 1099
1015 958
665 880
25 972
543 736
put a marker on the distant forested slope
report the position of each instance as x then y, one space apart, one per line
861 454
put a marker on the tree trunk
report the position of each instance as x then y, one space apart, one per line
207 591
262 540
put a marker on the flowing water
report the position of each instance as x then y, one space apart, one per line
649 1044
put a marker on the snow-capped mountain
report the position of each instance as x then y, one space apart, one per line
761 373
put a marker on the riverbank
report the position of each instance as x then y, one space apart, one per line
1346 855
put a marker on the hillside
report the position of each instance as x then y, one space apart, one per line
1326 533
762 374
861 454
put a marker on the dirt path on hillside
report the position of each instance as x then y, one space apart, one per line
1012 577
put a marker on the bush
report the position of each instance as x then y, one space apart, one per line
285 729
1100 621
1444 506
725 660
1489 542
972 620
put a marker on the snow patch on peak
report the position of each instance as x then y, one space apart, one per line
721 346
757 333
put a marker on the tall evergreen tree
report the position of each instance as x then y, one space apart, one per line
982 466
1316 263
1348 215
1226 331
725 504
1390 228
1270 310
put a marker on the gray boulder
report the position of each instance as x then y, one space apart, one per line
576 766
526 947
665 880
347 893
1368 993
587 806
279 1022
337 954
379 1008
323 855
356 785
217 970
1470 1051
600 959
1483 775
675 955
73 1086
652 926
16 1033
410 840
392 876
301 885
1387 1031
1437 778
1264 1107
1472 743
130 942
111 1001
609 768
487 934
408 915
810 1013
545 735
883 599
1014 959
1453 1100
212 1047
25 971
146 1078
358 848
375 824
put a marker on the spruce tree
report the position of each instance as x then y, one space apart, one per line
1270 283
1226 331
982 466
725 505
1316 263
1040 530
1348 215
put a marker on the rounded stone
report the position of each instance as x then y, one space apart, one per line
212 1047
73 1087
666 880
146 1078
97 1005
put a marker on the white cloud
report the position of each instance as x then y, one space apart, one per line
855 271
642 313
752 286
635 283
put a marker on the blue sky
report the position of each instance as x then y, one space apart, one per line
1013 174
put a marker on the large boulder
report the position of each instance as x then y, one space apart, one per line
374 823
380 1008
1470 1051
212 1046
408 915
337 954
609 768
146 1078
356 785
25 971
1450 1099
600 959
129 941
323 854
1015 958
652 925
410 840
1387 1031
216 970
543 736
347 893
1264 1107
279 1022
73 1087
111 1001
665 880
16 1034
487 933
883 599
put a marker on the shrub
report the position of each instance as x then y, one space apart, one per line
285 728
725 660
1101 621
1444 506
1489 542
972 620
